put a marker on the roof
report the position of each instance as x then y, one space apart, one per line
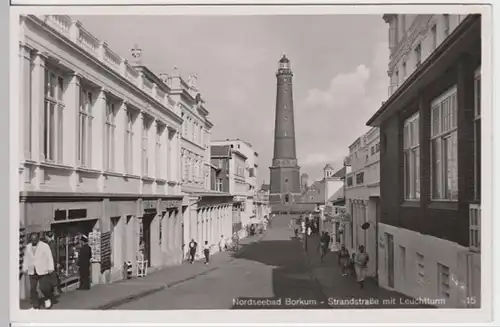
220 151
284 59
339 194
265 187
340 173
239 154
316 194
466 36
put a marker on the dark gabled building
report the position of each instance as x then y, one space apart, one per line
220 157
429 230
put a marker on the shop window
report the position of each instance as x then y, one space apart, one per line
116 260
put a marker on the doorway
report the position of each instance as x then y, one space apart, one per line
390 259
145 242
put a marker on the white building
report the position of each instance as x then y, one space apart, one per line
99 150
362 194
209 214
243 180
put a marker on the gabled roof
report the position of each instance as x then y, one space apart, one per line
340 173
220 151
339 194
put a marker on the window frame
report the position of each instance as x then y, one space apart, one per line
85 117
52 149
444 289
418 54
159 150
109 135
444 136
129 140
411 150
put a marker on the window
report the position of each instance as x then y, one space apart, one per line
186 127
109 137
145 141
411 157
418 55
477 135
475 227
360 178
190 169
444 147
434 37
218 185
159 151
443 281
404 70
53 117
420 269
195 132
85 128
377 147
349 181
446 19
129 141
397 77
200 135
185 166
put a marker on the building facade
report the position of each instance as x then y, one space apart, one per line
284 171
207 214
221 159
99 155
429 230
362 196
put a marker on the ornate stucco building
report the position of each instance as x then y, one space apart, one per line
100 139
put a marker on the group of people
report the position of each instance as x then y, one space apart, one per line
305 225
40 265
193 246
355 264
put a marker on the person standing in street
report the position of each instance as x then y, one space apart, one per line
222 244
360 263
206 252
39 265
324 243
84 257
344 259
56 281
192 250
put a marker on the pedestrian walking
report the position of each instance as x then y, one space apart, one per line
360 263
324 243
344 260
222 244
206 252
55 280
84 257
192 250
38 265
309 231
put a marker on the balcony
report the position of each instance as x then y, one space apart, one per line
475 227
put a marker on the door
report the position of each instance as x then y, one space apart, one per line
146 236
390 259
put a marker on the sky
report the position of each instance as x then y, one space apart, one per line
339 64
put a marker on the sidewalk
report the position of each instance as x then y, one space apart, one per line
337 287
106 296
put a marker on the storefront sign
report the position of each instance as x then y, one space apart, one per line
171 204
105 251
69 214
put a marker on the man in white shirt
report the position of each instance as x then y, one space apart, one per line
39 265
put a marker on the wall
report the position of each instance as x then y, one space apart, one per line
434 250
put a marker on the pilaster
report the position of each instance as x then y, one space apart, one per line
98 113
137 139
24 113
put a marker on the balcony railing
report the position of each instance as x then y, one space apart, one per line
74 31
475 227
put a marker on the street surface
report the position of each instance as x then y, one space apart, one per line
274 272
273 268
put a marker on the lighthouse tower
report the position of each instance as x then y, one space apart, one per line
285 172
